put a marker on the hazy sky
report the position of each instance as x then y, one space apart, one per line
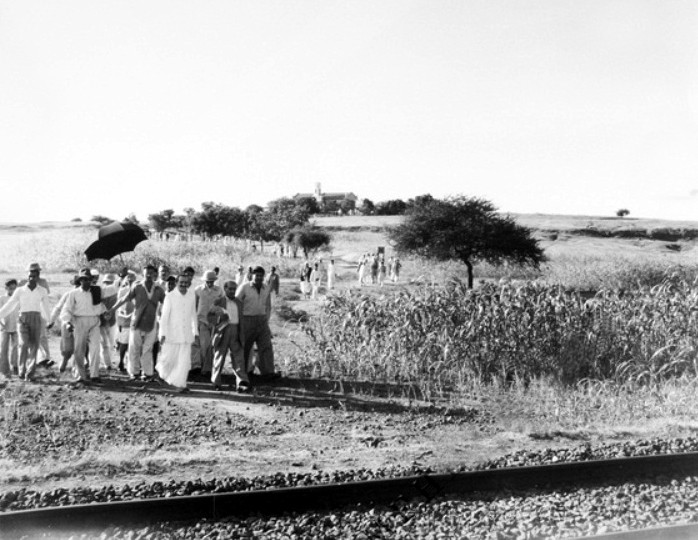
551 106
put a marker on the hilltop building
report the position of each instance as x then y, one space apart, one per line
330 202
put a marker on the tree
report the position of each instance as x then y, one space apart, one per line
347 206
393 207
215 219
310 239
131 218
102 220
622 212
270 225
419 200
162 220
282 204
465 229
367 207
310 204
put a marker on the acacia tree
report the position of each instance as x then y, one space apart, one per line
465 229
162 220
309 239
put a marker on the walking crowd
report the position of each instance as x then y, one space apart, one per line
164 329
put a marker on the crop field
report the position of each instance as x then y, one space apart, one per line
599 343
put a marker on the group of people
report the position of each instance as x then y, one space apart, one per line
164 329
311 277
373 267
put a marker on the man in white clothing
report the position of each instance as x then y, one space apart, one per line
178 327
32 300
81 312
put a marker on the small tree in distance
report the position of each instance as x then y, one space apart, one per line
622 212
464 229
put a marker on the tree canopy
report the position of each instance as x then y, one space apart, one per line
466 229
309 239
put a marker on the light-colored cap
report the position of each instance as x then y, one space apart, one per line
34 266
210 275
109 278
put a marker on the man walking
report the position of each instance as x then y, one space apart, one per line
8 334
43 341
32 300
81 314
146 297
228 336
256 311
178 327
206 294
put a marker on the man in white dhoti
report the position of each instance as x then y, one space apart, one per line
178 327
330 275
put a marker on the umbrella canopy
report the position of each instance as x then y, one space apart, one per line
114 239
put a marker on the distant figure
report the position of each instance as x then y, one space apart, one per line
382 270
305 280
362 270
374 269
315 279
240 275
330 275
396 270
178 326
273 281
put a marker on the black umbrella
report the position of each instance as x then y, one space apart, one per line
114 239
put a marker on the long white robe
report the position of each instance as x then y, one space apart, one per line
178 325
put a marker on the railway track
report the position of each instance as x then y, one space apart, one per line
63 520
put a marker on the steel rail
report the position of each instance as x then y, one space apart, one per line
688 531
329 496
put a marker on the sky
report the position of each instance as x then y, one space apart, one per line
540 106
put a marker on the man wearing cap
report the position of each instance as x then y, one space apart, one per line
228 336
32 300
43 341
178 327
256 311
81 314
107 328
206 294
146 297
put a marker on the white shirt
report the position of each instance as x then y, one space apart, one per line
232 309
79 304
27 300
178 322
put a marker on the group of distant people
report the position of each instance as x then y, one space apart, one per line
373 267
311 277
164 329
